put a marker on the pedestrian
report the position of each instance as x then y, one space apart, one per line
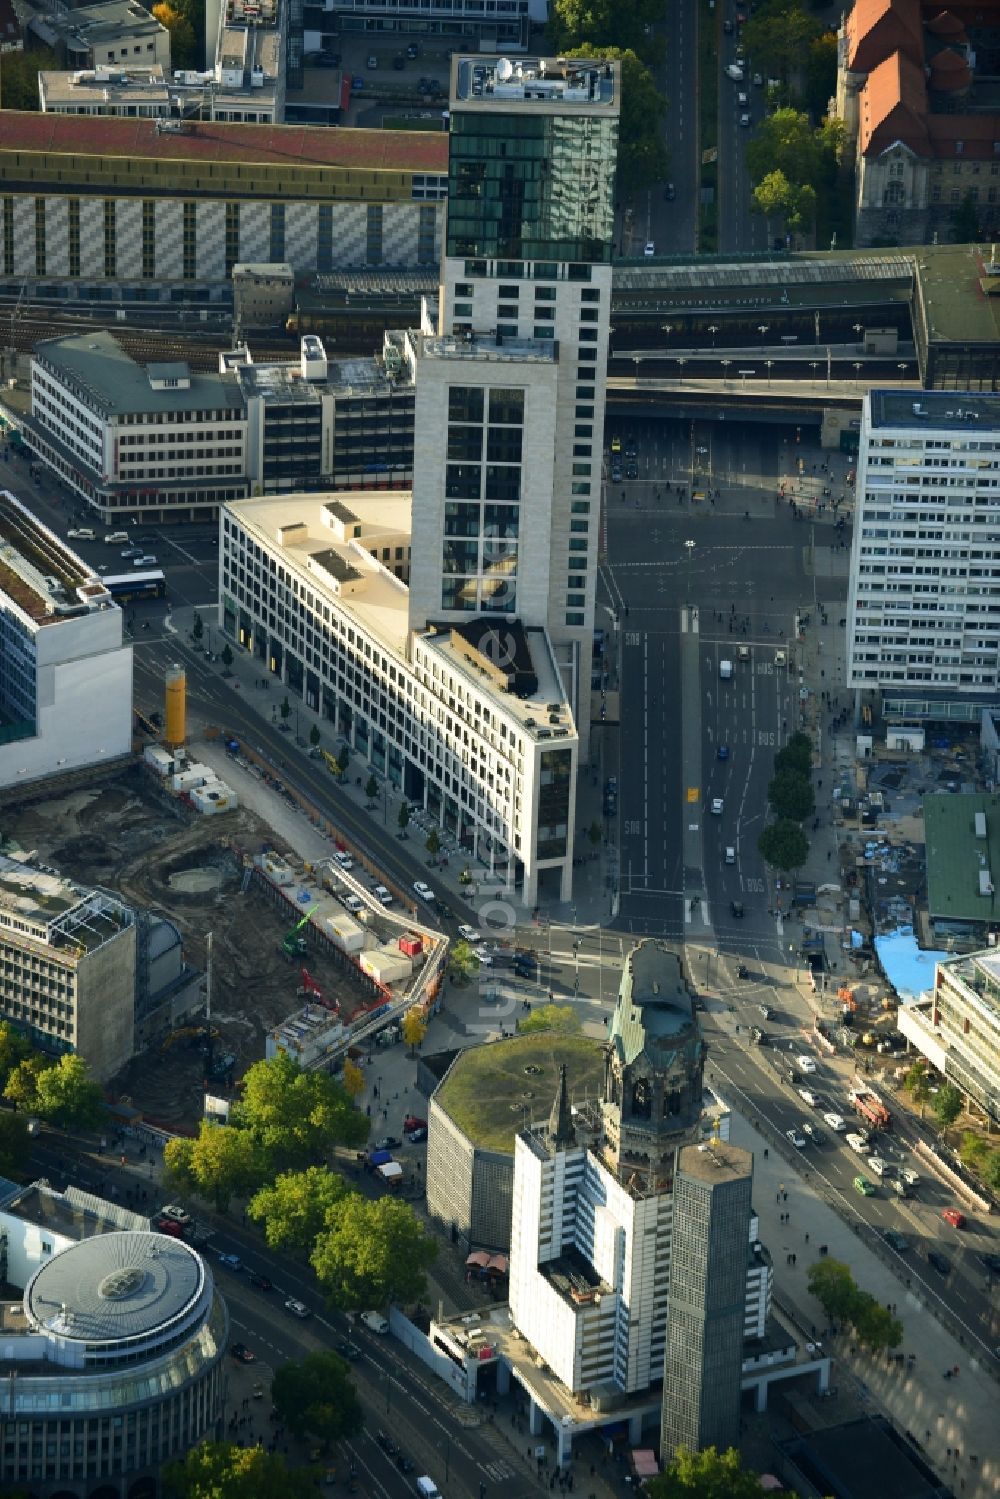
784 1195
807 1238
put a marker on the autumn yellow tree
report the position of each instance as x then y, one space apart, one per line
414 1029
353 1079
183 47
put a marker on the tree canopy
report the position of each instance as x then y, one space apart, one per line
219 1470
295 1207
414 1027
831 1282
63 1092
371 1253
795 754
13 1049
316 1398
708 1474
791 795
642 156
13 1144
296 1117
779 34
19 76
946 1105
783 844
220 1164
550 1018
602 25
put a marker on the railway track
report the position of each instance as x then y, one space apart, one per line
200 351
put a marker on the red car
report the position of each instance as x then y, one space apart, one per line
412 1122
954 1217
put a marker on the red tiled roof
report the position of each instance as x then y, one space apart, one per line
272 145
976 132
949 73
947 25
878 28
894 108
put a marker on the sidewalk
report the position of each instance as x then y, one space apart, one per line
940 1414
593 875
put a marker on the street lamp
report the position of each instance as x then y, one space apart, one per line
769 363
762 328
859 328
725 368
814 366
681 363
902 368
857 370
689 547
713 328
637 358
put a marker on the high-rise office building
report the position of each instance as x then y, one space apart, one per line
924 608
707 1302
510 382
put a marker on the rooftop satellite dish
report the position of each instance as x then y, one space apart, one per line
505 69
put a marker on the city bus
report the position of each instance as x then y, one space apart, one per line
137 585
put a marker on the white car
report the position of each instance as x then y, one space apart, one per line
297 1308
343 858
799 1141
742 100
836 1123
382 894
858 1144
469 933
717 805
650 249
877 1165
745 121
82 533
805 1064
909 1176
485 957
808 1096
353 904
424 891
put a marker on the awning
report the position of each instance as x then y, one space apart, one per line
498 1262
644 1463
478 1257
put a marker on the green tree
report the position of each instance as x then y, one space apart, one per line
316 1398
990 1170
433 844
874 1324
784 141
296 1117
594 833
791 795
795 754
947 1105
13 1046
973 1150
965 228
227 655
314 735
705 1475
294 1207
550 1018
183 45
198 628
68 1095
778 35
219 1164
599 26
371 788
832 1284
218 1470
642 156
821 73
13 1143
21 1087
19 76
783 844
371 1253
285 709
403 818
463 961
917 1084
414 1028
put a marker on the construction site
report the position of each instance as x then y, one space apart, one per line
127 834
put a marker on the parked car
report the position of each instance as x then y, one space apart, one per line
910 1176
231 1261
766 1011
413 1121
808 1096
262 1282
382 895
417 1136
242 1353
297 1308
670 192
799 1141
650 249
388 1142
372 62
954 1217
399 62
469 933
357 83
876 1165
412 51
424 891
736 908
349 1350
899 1242
864 1186
836 1123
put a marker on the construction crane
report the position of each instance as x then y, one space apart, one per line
294 945
310 988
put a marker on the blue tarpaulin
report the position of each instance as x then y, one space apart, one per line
909 969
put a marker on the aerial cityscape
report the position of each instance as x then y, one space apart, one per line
499 749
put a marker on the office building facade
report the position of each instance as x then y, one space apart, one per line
135 211
957 1027
510 386
924 606
315 587
707 1305
114 1355
65 669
